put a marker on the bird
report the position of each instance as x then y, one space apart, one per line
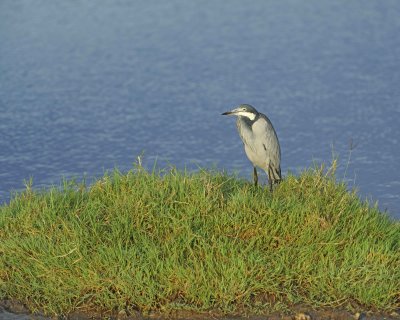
260 141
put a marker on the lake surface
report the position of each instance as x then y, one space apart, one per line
86 86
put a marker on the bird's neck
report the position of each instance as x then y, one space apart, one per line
245 123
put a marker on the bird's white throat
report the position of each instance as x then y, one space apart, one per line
246 114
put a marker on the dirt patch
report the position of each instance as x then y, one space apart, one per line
298 313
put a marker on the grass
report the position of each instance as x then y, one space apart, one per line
171 240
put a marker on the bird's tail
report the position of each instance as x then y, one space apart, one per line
274 174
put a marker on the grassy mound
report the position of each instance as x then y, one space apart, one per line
201 241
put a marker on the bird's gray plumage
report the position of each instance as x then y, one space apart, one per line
260 141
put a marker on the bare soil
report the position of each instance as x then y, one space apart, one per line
297 313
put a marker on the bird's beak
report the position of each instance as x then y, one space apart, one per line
229 113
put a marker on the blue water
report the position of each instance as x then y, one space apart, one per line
86 86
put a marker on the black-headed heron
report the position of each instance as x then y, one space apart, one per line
260 142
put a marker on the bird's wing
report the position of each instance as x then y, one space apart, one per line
265 133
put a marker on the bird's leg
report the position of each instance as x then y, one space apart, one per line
255 176
270 178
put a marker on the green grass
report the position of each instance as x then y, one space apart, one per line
172 240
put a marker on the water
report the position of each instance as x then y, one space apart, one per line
89 85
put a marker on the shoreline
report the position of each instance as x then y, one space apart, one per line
18 310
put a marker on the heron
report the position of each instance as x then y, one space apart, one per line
260 141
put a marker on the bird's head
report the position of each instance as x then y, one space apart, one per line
244 110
